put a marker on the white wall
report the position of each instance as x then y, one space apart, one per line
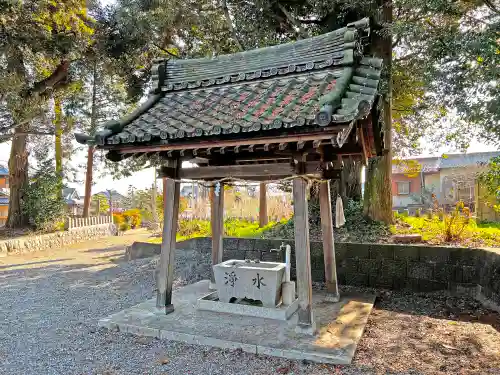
402 200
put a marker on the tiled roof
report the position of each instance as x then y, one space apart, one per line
313 82
473 159
116 196
67 193
435 164
406 166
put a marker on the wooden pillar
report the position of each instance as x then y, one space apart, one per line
263 205
325 206
306 322
217 222
167 266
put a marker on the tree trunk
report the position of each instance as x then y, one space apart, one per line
378 197
18 179
58 142
378 188
88 183
90 154
352 178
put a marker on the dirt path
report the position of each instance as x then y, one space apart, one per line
88 252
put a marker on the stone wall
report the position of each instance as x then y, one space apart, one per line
414 267
55 240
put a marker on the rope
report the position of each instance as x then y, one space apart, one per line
308 177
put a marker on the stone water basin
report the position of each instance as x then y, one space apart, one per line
257 281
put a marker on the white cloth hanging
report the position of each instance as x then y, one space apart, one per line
339 213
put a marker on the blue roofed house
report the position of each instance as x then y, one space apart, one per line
451 178
73 201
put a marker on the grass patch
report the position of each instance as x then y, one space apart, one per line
432 231
188 229
357 229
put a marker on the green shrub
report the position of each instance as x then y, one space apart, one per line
118 219
124 227
457 226
133 217
456 222
193 228
42 198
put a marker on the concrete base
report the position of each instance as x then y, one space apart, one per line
210 302
339 326
309 330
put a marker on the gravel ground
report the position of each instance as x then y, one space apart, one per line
50 304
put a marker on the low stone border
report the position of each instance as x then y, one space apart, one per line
140 250
420 268
55 240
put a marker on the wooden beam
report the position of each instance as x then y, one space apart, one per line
325 206
282 140
242 171
217 223
263 205
165 279
306 322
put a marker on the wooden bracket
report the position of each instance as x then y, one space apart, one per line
170 169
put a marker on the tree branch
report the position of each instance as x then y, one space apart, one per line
166 50
59 75
15 125
229 22
301 33
6 137
310 22
406 57
396 42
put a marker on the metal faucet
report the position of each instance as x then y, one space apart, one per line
282 248
288 257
